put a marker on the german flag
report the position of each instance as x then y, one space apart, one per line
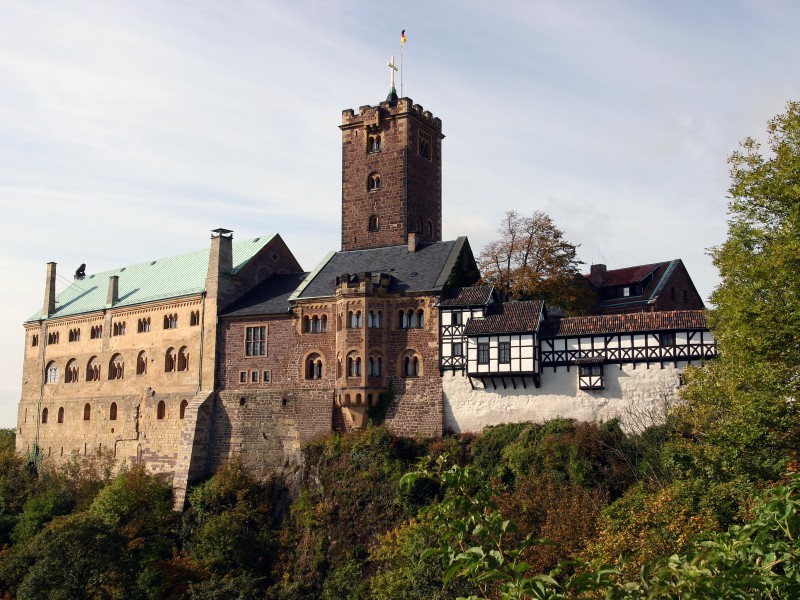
403 37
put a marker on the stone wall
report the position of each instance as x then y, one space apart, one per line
410 188
265 428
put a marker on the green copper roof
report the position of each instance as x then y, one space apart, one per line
171 277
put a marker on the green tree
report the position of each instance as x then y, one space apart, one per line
532 261
743 405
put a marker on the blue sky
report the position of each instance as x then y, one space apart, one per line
129 130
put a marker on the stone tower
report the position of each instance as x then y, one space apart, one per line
391 175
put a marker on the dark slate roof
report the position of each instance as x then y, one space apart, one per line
468 296
425 270
270 297
507 317
627 323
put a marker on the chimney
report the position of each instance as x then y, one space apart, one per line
598 275
221 260
412 242
113 291
50 291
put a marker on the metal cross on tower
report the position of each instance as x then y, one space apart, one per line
392 69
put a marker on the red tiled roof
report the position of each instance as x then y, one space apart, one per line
507 317
629 275
632 322
467 296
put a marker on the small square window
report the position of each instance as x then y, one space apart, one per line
243 377
666 339
458 349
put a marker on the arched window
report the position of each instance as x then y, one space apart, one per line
184 404
116 367
412 319
374 319
313 367
323 323
315 324
143 325
353 365
44 415
373 223
61 414
339 366
87 412
355 320
183 359
34 340
118 328
112 412
194 318
420 318
339 322
161 410
170 321
93 369
169 360
71 371
411 364
52 338
429 229
374 182
402 319
141 363
51 373
374 143
96 332
374 366
306 324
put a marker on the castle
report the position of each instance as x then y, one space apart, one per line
184 362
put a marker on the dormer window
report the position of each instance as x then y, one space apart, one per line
626 291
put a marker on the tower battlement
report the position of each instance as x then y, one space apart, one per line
372 115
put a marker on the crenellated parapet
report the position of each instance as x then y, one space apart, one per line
371 116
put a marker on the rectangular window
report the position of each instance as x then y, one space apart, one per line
455 318
626 291
483 353
591 370
667 339
243 377
256 341
254 376
266 377
458 349
505 352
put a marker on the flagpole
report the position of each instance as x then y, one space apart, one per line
401 69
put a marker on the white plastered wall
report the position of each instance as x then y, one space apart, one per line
639 397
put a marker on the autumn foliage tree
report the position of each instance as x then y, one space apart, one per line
532 261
